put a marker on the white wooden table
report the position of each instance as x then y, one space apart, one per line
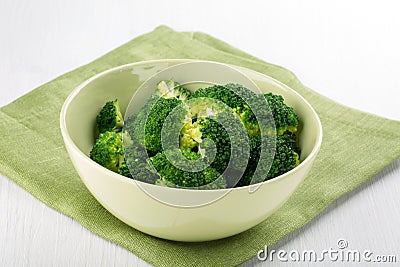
346 50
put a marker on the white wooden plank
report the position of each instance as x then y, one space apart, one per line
346 50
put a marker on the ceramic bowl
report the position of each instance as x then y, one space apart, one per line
236 211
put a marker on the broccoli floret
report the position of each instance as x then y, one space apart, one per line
108 151
285 154
226 94
233 95
150 120
136 155
190 135
284 116
152 115
172 89
290 139
212 120
124 170
172 176
238 98
213 130
255 149
110 118
285 157
248 119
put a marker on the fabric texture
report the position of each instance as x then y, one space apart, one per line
355 146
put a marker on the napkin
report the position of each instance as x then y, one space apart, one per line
355 147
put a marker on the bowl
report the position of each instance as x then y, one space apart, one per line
238 210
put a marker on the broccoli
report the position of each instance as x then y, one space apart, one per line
285 157
172 176
136 156
238 99
190 135
211 123
152 115
150 120
255 149
226 140
248 119
110 118
290 139
171 89
224 128
123 169
285 117
233 95
108 151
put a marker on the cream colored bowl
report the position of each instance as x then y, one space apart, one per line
238 210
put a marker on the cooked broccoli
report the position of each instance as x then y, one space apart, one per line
124 170
285 157
219 127
255 149
152 115
108 151
228 136
211 124
282 155
150 120
285 117
172 89
233 95
173 176
248 119
110 118
238 98
290 139
137 164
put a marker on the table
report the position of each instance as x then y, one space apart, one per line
346 50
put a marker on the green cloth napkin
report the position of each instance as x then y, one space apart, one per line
355 147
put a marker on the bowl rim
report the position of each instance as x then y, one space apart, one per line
67 138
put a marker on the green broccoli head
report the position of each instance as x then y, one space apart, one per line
281 155
172 176
290 139
110 118
255 149
190 135
239 99
172 89
108 151
146 129
221 140
211 129
197 110
232 135
123 169
285 157
248 119
233 95
151 117
136 155
285 117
